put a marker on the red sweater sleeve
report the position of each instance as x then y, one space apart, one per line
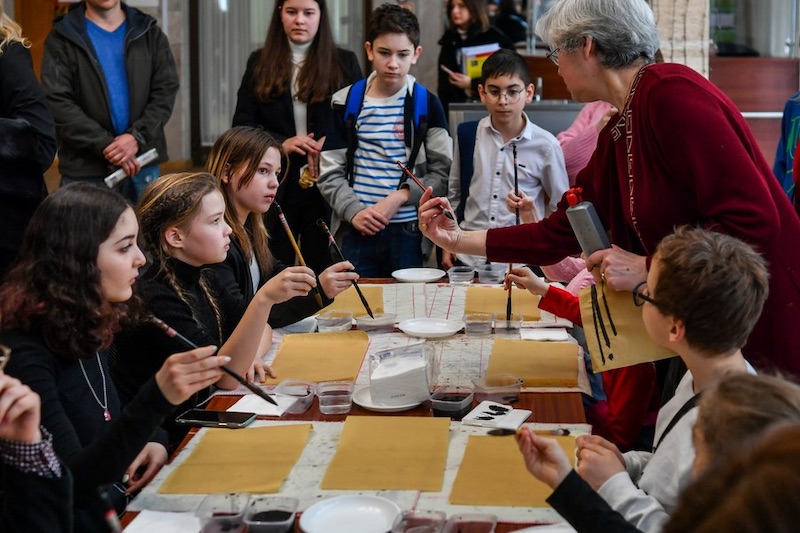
562 303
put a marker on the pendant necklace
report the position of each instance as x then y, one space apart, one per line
104 403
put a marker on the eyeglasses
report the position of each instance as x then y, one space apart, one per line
512 95
5 354
553 55
640 295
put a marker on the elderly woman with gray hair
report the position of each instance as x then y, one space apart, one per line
677 153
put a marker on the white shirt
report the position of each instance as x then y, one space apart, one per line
541 174
299 109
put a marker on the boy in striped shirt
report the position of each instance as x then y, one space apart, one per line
375 209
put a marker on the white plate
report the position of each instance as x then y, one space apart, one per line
430 328
418 275
350 514
363 397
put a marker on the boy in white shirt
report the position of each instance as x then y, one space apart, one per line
479 199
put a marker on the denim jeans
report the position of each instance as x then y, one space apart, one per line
377 256
131 188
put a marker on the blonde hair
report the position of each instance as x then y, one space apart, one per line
10 32
174 200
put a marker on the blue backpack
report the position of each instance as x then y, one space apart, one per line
467 133
353 105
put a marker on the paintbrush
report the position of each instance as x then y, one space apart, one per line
288 230
163 326
321 223
516 215
502 432
447 212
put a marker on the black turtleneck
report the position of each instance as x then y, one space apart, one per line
142 350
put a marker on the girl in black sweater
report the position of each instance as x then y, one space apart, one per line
60 305
247 163
184 229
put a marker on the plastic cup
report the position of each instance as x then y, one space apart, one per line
461 275
453 401
302 390
501 325
222 512
335 321
335 397
270 514
382 323
492 273
419 521
501 388
478 324
471 523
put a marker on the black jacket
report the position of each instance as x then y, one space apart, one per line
277 117
30 502
235 281
451 44
78 96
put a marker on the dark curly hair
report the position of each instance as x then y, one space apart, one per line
53 287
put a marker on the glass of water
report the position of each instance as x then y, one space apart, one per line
335 397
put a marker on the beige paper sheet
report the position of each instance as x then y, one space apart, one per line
348 300
390 453
241 460
494 300
630 345
320 356
493 472
540 364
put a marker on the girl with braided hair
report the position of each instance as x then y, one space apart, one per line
184 229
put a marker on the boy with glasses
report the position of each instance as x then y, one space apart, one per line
508 149
703 295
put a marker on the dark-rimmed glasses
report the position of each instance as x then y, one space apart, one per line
5 354
640 295
553 55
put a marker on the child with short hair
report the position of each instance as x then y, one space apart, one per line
479 197
734 413
703 294
374 205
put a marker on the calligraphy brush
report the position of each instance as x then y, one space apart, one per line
516 215
502 432
321 223
288 230
163 326
447 212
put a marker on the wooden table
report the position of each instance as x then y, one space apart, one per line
547 407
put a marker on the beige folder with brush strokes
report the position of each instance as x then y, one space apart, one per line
494 300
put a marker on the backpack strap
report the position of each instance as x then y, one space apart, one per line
688 406
420 125
352 108
467 133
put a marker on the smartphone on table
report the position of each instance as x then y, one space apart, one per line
216 419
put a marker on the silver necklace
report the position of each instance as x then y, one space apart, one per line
104 403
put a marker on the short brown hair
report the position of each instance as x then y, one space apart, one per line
714 283
739 407
758 490
391 18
